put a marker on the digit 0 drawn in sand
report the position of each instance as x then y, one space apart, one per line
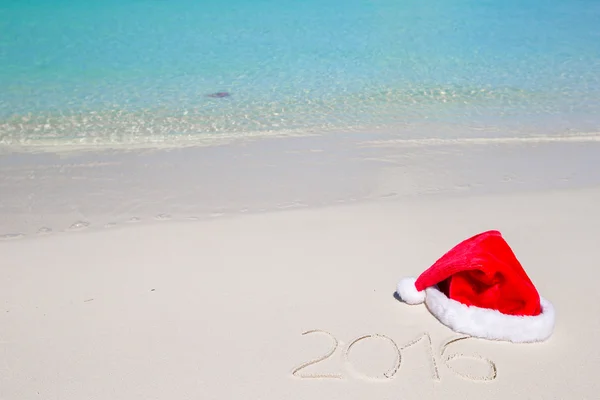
319 359
387 375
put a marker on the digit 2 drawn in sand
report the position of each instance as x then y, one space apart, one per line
318 359
389 375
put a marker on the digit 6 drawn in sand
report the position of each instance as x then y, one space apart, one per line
319 359
391 372
447 359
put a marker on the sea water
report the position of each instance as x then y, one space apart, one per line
128 72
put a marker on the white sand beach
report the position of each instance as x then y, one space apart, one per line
248 275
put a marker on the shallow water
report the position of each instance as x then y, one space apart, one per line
141 71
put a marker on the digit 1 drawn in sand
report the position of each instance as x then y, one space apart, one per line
447 359
434 369
317 360
387 375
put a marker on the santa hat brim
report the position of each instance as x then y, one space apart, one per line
481 322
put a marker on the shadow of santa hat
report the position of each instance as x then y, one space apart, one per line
479 288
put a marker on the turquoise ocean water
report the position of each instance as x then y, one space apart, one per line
139 71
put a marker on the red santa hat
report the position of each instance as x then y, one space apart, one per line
479 288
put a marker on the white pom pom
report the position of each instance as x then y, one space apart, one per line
408 292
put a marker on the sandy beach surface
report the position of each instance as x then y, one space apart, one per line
237 283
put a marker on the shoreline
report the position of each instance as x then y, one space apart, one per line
411 132
44 193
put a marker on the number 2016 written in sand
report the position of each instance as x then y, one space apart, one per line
300 371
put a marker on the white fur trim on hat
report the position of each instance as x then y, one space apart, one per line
488 323
408 292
